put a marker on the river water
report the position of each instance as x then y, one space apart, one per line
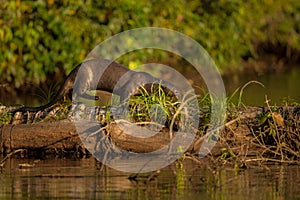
69 178
277 87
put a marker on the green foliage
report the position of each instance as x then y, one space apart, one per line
5 118
42 37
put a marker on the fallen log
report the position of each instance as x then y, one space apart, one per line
59 135
62 136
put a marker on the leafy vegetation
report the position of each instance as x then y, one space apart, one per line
39 38
5 117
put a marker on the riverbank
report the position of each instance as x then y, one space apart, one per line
251 135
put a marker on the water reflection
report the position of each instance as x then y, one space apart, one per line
86 179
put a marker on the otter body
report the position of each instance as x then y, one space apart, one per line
100 74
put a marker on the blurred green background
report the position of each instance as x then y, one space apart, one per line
47 38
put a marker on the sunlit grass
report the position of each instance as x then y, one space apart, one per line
152 107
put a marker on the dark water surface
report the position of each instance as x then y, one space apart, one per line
277 87
84 179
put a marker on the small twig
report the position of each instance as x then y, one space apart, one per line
276 129
97 132
179 110
9 155
270 159
149 123
242 90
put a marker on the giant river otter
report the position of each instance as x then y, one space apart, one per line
102 74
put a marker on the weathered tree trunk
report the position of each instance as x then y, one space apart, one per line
59 135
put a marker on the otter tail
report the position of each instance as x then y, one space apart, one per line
63 91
